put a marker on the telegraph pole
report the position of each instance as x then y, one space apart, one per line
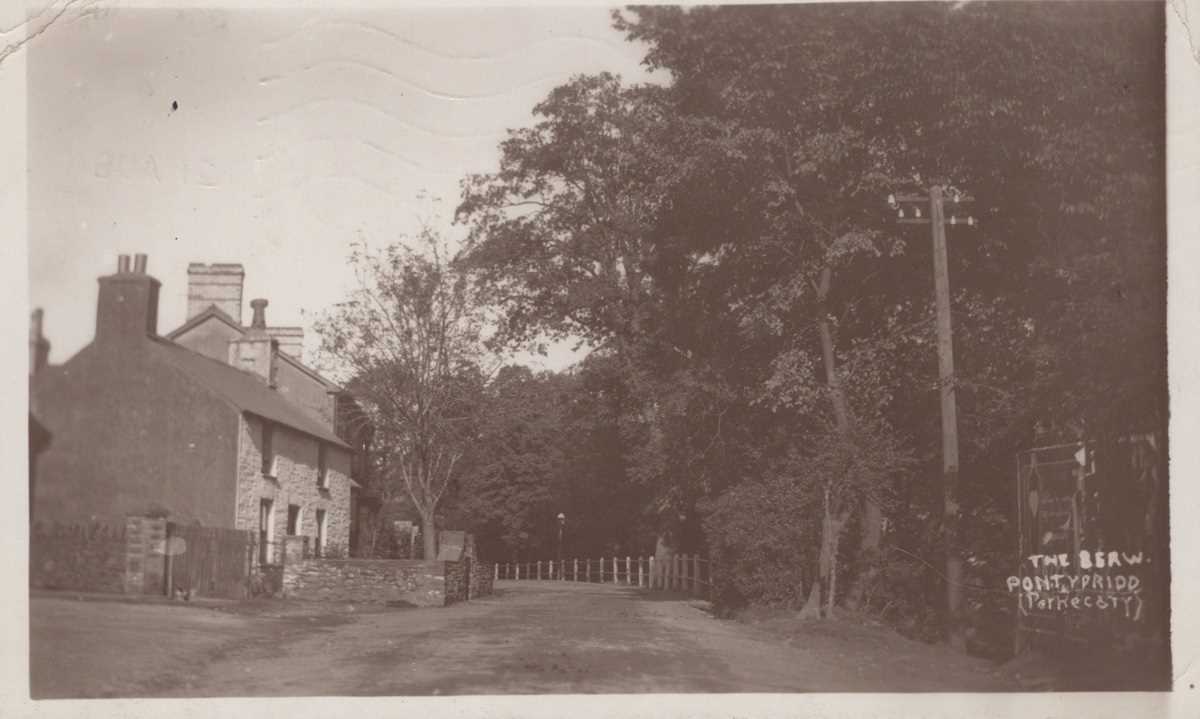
945 345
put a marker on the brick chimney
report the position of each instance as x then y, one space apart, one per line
39 346
256 351
218 284
127 307
291 339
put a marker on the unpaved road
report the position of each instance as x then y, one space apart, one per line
531 637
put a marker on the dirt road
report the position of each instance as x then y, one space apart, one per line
531 637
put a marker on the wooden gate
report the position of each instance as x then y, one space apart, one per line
208 561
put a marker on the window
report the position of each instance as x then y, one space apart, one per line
266 530
293 520
268 449
320 533
322 467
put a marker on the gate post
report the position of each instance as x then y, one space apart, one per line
614 570
575 570
170 571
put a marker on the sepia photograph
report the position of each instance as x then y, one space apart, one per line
398 351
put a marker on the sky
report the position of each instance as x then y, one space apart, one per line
296 133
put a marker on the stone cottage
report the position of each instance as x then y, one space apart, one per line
144 423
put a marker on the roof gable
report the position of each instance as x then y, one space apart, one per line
213 312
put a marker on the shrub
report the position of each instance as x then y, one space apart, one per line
761 537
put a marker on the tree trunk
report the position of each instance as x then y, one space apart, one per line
428 537
836 395
812 607
872 512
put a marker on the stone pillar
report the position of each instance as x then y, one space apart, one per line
145 558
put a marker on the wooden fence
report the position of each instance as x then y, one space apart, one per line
681 573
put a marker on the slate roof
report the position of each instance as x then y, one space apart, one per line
214 311
242 389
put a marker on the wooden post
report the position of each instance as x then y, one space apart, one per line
640 559
587 569
941 284
628 574
496 573
614 570
650 584
696 574
575 570
539 570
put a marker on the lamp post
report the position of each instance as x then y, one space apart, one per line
562 520
936 202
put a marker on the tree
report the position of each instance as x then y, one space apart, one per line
409 340
562 237
844 104
513 477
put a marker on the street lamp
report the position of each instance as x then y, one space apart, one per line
562 520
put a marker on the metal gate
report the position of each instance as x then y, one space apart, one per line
1092 531
208 561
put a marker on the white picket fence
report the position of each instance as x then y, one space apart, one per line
681 573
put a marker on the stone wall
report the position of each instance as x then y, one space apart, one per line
414 581
482 574
457 574
81 557
295 482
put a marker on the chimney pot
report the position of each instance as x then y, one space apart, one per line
260 314
122 264
139 263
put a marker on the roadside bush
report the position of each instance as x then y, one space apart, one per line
761 540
